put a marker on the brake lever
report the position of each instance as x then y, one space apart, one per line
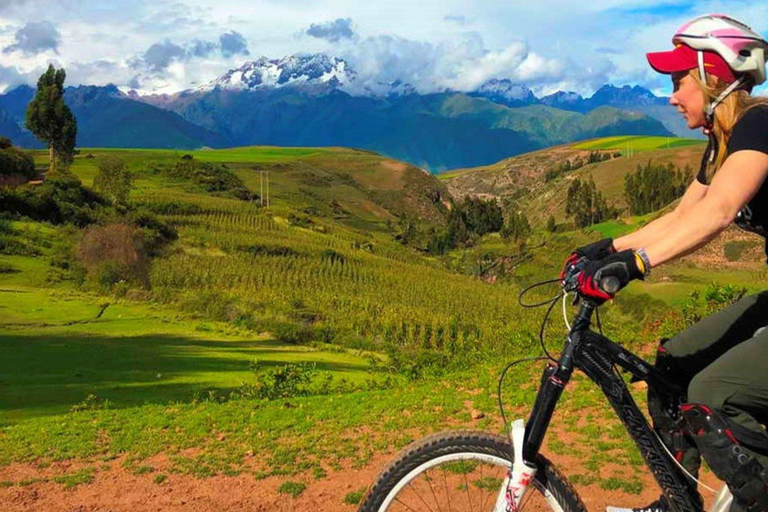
570 282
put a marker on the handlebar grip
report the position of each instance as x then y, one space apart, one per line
610 284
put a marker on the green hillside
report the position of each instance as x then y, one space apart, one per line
296 341
524 177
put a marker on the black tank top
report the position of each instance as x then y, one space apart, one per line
750 132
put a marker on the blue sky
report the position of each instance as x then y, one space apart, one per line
169 46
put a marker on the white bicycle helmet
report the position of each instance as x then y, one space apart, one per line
720 45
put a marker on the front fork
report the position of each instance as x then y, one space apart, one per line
527 439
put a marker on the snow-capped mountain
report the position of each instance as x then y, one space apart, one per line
506 92
311 69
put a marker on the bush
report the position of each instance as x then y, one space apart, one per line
156 233
212 305
15 161
551 224
114 180
295 334
61 200
210 177
285 381
114 253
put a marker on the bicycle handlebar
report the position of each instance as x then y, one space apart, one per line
610 284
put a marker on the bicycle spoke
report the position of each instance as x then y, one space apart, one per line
398 500
447 491
466 488
418 495
482 501
525 500
429 482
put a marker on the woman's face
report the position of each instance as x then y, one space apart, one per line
689 99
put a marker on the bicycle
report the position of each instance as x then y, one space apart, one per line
470 470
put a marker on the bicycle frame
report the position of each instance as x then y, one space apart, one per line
597 357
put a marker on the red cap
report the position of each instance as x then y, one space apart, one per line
683 58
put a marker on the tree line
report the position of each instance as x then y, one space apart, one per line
649 187
652 186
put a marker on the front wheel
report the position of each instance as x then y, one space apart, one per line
461 472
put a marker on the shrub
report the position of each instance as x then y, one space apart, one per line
210 177
156 233
285 381
114 180
294 334
114 253
212 305
61 200
15 161
551 224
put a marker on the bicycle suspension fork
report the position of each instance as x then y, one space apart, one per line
527 438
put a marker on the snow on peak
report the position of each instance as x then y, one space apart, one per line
290 70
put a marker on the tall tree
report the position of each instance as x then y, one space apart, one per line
51 121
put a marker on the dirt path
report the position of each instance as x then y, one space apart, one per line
114 489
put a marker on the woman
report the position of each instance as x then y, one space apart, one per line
722 360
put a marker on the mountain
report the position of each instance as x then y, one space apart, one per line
292 70
626 97
435 131
107 117
506 92
319 100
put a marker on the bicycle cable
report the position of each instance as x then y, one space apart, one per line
551 303
536 285
565 312
501 381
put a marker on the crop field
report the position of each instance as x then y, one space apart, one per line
635 143
292 342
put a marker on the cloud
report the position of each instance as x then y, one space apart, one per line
233 43
458 19
461 64
35 37
332 31
160 55
200 48
10 77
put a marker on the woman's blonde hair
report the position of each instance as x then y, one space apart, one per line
727 113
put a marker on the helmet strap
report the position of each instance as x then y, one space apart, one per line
702 72
709 111
708 158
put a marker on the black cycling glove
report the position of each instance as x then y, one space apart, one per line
594 251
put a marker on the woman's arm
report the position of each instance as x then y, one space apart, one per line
735 183
650 232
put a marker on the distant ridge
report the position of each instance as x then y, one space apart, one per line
320 100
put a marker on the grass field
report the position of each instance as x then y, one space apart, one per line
635 143
56 354
93 375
